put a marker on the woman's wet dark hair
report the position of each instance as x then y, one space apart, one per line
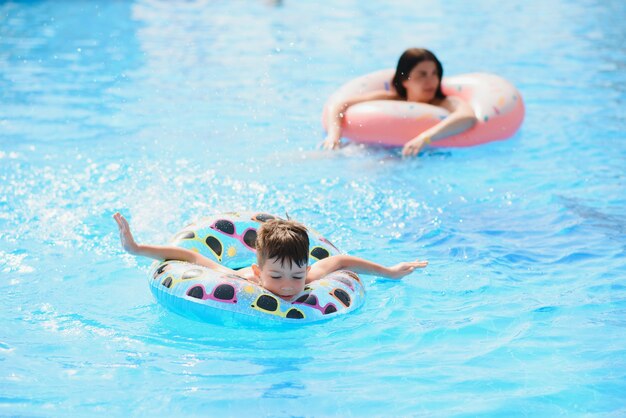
408 60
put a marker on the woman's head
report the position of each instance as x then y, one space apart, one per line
418 76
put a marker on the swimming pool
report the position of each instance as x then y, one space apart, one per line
168 111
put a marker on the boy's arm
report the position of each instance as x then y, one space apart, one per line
359 265
160 252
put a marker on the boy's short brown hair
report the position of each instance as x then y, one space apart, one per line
283 240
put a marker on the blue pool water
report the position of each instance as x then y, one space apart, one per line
168 111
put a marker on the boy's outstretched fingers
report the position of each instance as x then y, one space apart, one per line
420 264
122 223
126 237
402 269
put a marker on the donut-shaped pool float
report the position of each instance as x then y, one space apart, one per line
497 104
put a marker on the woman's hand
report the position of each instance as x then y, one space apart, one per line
402 269
331 142
414 146
126 237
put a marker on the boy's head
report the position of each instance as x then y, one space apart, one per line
287 241
282 255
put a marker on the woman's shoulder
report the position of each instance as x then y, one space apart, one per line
380 95
451 103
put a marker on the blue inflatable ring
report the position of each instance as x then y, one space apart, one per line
204 294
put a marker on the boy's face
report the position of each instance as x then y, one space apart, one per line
285 279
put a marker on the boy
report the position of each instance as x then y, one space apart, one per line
282 249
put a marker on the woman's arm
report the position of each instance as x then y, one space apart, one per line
461 118
159 252
359 265
336 111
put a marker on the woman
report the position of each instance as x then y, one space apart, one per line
417 79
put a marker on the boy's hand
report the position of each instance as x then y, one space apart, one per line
126 237
402 269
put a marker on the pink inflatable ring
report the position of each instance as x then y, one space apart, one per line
497 104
